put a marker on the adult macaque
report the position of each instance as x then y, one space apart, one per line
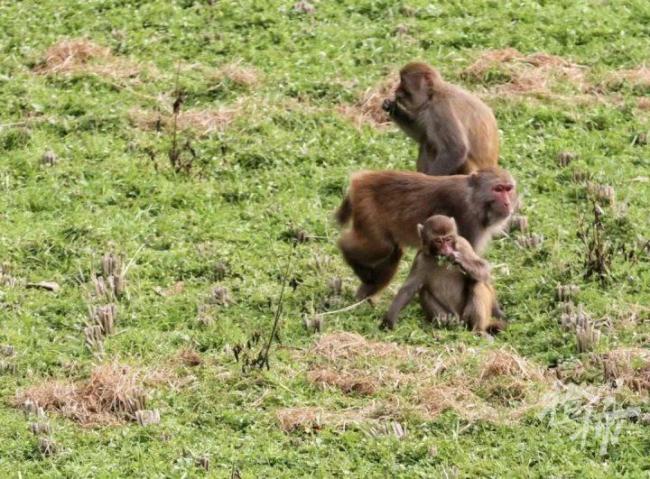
451 279
456 131
385 208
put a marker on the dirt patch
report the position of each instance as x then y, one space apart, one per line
204 121
112 394
367 110
82 56
510 72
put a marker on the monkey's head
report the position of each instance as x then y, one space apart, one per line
415 89
495 191
438 235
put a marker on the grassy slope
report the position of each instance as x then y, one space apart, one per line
277 168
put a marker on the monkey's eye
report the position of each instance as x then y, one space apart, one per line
502 188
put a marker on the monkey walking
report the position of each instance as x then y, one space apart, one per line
385 207
456 131
450 278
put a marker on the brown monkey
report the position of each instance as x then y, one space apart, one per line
456 131
385 208
451 279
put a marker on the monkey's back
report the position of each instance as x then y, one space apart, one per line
393 203
481 125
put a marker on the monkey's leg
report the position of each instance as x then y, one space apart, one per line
373 261
403 297
478 310
431 306
383 273
474 312
497 312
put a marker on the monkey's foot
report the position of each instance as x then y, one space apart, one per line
388 105
386 325
366 291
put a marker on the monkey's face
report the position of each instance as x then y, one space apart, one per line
412 92
495 191
442 245
504 199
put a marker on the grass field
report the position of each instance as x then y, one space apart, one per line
277 105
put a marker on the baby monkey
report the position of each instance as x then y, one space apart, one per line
451 279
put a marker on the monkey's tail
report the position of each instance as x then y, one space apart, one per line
496 326
344 212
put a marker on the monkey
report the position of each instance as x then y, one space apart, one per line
450 278
385 207
456 131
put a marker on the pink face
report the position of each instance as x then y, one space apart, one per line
445 245
503 194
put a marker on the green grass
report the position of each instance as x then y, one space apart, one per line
285 167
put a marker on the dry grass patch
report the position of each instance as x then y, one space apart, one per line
513 73
629 367
459 398
189 357
493 385
112 394
478 384
241 75
82 56
203 121
367 110
643 103
311 418
355 382
636 78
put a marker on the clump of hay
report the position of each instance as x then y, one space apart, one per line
242 75
437 399
82 56
491 385
507 363
348 382
629 367
636 78
368 109
643 103
189 357
112 394
340 357
517 74
310 419
345 345
204 121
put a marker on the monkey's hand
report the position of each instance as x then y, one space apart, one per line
389 106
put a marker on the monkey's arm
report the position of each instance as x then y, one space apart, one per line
448 139
405 120
412 285
475 266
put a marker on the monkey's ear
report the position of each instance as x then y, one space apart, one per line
420 228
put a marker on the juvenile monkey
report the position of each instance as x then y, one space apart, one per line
456 131
385 207
451 279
